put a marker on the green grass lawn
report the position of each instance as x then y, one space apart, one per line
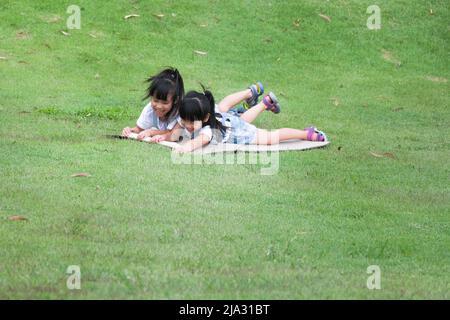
143 227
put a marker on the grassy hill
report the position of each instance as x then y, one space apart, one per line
142 227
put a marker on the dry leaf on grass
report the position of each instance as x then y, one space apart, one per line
336 101
437 79
324 17
389 155
388 56
159 16
65 33
131 16
200 53
52 19
383 155
3 58
96 34
296 23
17 218
22 35
81 174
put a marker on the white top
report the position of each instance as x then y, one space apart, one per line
148 120
207 131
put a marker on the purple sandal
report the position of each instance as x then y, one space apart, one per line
321 136
272 103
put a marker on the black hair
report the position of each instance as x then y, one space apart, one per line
167 82
196 106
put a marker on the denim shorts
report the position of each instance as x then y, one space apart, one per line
241 131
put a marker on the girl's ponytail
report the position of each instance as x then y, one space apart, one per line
216 125
210 97
179 88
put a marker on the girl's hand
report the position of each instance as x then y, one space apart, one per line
158 138
126 132
144 134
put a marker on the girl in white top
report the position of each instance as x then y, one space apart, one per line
159 116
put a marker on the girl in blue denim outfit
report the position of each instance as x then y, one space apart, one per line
200 118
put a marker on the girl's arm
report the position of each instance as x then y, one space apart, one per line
151 133
196 143
172 135
127 130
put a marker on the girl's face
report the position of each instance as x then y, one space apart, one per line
191 126
162 107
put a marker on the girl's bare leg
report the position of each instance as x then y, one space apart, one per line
251 114
276 136
234 99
